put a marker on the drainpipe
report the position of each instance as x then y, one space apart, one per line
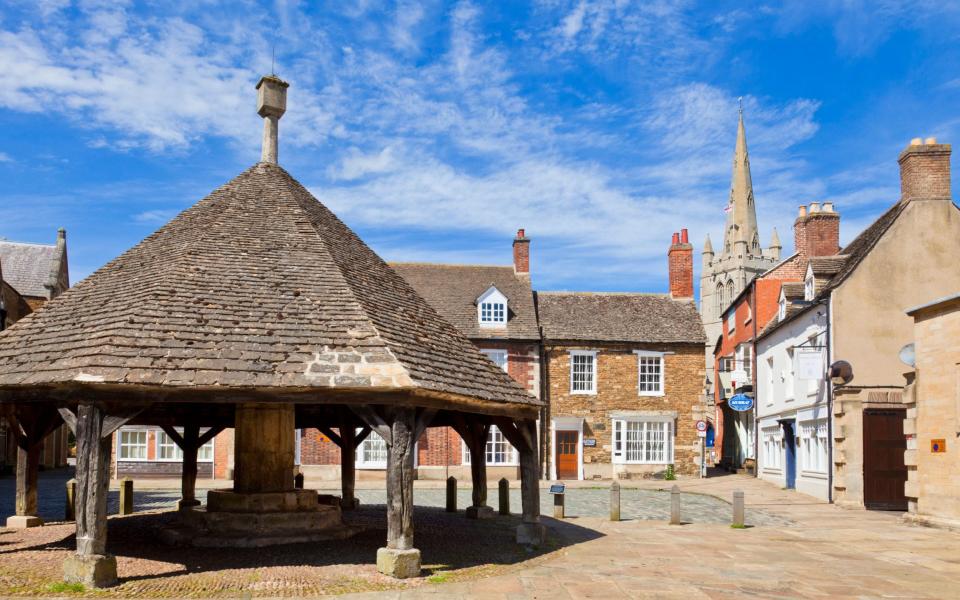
753 375
830 440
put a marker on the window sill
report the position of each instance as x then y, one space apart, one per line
652 394
580 393
655 464
369 467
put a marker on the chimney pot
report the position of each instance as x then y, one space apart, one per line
676 239
684 237
916 142
520 234
931 140
802 212
814 207
828 207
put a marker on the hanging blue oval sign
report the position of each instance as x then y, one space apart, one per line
740 402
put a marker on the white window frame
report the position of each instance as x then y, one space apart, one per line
648 354
744 360
492 308
361 462
809 287
644 427
772 448
813 446
162 439
495 438
732 321
593 372
121 445
494 356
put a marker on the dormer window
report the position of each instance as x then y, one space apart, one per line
809 286
492 308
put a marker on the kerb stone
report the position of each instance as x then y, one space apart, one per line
402 564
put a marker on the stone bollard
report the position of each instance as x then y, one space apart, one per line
738 512
298 481
615 501
70 508
451 494
558 506
504 496
675 505
126 496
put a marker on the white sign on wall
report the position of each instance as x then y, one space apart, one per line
809 364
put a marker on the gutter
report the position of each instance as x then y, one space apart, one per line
753 378
830 464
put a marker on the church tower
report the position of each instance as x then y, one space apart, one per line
727 271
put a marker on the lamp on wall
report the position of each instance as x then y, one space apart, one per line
841 373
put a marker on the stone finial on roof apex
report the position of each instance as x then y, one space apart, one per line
271 105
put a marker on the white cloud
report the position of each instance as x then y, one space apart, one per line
155 217
5 158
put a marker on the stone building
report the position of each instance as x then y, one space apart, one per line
623 374
30 276
932 426
493 307
816 234
726 273
852 310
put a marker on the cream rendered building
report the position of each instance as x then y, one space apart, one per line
740 259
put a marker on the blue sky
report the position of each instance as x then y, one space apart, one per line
437 129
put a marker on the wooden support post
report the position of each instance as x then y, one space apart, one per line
348 463
738 510
126 496
615 501
530 531
28 467
188 477
558 505
400 559
504 486
70 506
478 472
675 505
91 565
451 494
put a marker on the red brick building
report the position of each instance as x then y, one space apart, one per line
816 234
30 276
494 307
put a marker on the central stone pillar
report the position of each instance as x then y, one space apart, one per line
264 448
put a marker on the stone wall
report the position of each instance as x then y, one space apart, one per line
617 390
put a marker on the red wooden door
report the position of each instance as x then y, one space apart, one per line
884 473
567 454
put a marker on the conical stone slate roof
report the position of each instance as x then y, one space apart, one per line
257 286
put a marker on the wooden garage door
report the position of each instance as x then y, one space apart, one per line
567 454
884 473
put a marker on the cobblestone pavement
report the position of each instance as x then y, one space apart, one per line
644 504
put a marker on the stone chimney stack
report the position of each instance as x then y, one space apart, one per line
271 104
521 254
816 232
680 261
925 171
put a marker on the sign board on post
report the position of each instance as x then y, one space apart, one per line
809 364
557 488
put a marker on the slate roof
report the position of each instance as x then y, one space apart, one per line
792 290
256 286
453 290
827 266
27 267
612 317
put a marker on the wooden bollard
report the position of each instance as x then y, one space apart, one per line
738 511
558 505
298 481
675 505
504 496
451 494
126 497
615 501
70 508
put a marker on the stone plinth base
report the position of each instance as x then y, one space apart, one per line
531 534
402 564
23 522
479 512
96 571
236 520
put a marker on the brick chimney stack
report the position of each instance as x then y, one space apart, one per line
925 171
680 260
816 232
521 254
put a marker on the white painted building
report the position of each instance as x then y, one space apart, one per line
792 402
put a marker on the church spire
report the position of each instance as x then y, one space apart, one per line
741 212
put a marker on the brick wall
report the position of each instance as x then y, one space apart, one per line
617 390
680 263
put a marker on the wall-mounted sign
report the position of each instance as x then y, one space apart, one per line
938 446
809 364
590 442
701 425
740 402
739 377
557 488
702 434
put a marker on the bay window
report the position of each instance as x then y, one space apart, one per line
643 440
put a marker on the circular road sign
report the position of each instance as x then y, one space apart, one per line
701 425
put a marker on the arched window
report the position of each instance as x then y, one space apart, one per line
718 299
731 293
